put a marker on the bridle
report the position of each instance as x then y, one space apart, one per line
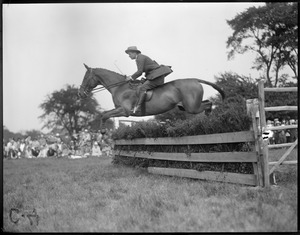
86 91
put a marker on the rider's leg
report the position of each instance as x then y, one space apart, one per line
140 101
148 85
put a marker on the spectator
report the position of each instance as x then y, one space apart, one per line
42 141
17 147
43 150
52 150
293 132
269 134
96 151
12 147
288 136
107 144
59 147
35 148
22 147
8 148
73 147
281 137
28 140
85 143
28 153
99 138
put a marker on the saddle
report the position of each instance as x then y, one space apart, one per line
135 85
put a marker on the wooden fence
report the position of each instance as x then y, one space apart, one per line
216 157
264 127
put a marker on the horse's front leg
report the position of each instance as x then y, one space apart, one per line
118 112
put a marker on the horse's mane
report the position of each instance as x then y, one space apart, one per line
109 71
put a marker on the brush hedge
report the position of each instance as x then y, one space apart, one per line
228 117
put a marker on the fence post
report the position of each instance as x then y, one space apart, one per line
265 156
252 108
256 120
261 100
263 143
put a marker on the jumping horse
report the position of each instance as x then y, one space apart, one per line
187 94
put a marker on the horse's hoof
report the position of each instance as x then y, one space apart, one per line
103 131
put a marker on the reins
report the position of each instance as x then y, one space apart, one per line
103 87
111 86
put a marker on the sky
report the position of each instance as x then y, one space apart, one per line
45 46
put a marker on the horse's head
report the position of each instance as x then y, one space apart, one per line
88 84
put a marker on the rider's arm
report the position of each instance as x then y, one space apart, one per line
140 62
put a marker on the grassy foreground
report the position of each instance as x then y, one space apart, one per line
93 195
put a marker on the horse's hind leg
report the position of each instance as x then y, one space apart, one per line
207 107
197 107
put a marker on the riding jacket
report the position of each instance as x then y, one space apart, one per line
150 67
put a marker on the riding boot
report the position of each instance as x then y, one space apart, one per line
139 103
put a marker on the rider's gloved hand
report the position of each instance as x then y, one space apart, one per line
128 78
143 79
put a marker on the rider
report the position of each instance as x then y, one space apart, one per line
155 73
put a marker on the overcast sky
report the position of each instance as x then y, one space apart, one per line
45 46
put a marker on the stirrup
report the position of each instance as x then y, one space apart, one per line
135 109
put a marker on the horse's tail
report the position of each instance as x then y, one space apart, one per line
214 86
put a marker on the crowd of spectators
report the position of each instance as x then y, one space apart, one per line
281 136
82 144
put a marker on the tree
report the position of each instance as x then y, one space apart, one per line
7 134
239 88
34 134
64 109
235 85
271 31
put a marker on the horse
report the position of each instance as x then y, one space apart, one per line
186 93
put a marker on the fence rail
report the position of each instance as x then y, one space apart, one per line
292 162
248 179
281 89
281 108
231 137
273 128
274 146
194 157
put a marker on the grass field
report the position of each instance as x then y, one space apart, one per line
93 195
